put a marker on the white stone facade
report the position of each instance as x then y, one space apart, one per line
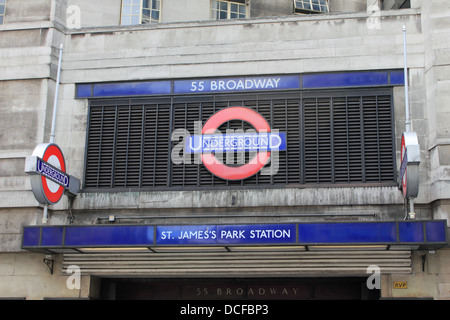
187 44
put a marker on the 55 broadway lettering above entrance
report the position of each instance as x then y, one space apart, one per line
242 289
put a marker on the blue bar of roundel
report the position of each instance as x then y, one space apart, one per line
109 236
194 143
436 231
256 234
350 79
283 145
410 231
64 179
131 88
52 236
325 233
31 237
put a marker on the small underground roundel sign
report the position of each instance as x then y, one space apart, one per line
48 173
262 142
409 169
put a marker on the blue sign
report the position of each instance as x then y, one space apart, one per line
123 89
237 84
351 232
236 142
346 79
427 234
242 84
92 235
226 234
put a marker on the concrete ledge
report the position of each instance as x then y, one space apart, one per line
239 198
257 20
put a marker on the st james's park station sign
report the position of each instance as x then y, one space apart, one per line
423 234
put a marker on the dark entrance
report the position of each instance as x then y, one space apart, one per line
238 289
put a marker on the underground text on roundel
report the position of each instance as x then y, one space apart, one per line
48 171
235 142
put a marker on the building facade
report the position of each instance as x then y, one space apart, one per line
226 149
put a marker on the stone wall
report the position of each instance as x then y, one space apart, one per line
102 51
430 278
33 279
293 44
436 80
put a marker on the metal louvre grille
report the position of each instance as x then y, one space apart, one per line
333 137
128 144
233 264
348 139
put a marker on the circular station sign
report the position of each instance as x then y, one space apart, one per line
409 168
221 170
404 159
51 179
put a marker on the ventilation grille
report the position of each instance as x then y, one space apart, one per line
233 264
348 139
337 138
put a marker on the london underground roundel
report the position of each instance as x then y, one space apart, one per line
403 156
409 168
50 182
217 167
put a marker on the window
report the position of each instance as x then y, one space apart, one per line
311 6
2 11
395 4
140 11
221 10
333 137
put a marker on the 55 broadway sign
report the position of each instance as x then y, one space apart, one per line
236 84
211 146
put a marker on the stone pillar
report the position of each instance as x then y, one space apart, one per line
436 35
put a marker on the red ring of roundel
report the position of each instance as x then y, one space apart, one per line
223 171
53 150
